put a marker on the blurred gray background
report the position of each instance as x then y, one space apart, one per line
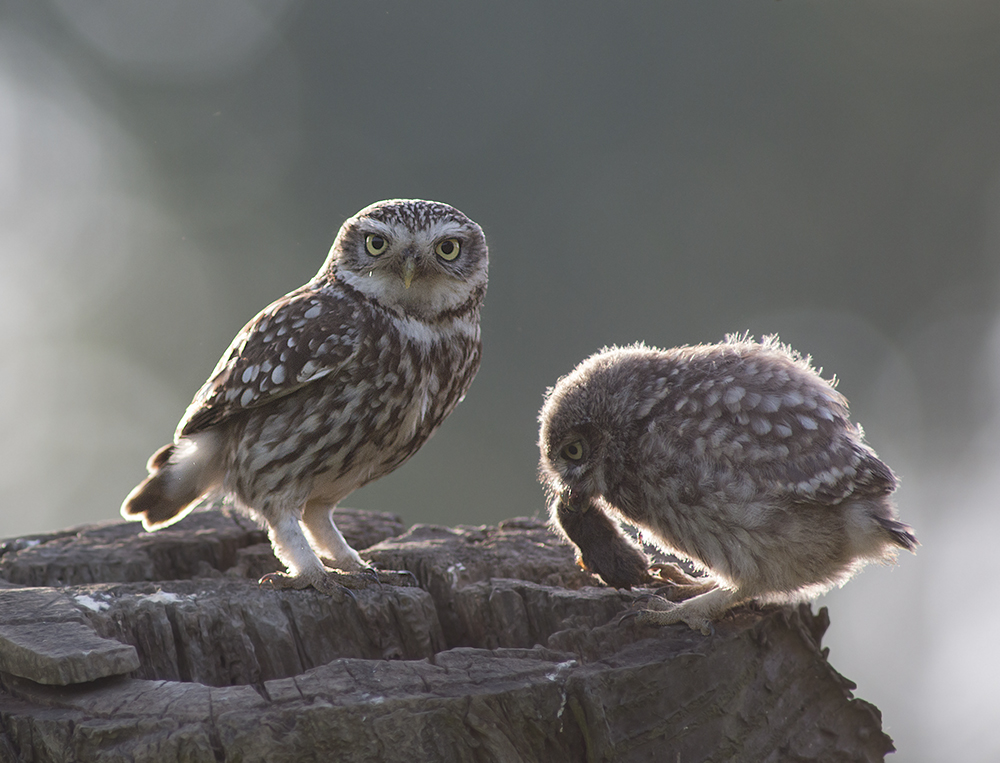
664 171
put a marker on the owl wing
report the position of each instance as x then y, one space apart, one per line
304 336
794 438
827 461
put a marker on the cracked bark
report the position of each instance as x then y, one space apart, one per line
506 652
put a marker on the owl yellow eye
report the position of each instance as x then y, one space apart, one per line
375 244
573 451
448 249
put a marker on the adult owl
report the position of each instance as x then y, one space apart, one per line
737 456
330 387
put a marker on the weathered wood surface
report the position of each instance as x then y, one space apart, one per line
122 646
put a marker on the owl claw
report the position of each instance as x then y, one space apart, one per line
649 596
328 583
369 576
666 572
662 612
627 615
674 615
357 580
403 578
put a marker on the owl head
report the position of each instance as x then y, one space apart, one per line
419 257
586 439
589 418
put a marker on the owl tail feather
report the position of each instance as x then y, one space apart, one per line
179 476
902 535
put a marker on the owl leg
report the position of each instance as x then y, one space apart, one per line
304 567
328 541
697 613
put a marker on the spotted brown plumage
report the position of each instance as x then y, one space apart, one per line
737 456
332 386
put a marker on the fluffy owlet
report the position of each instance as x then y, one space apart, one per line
332 386
737 456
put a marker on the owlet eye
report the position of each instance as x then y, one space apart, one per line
375 244
573 451
448 249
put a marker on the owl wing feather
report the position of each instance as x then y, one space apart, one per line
306 335
788 428
828 464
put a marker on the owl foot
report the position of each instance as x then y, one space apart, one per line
679 585
697 613
327 582
370 576
336 582
366 576
403 578
671 573
696 621
356 579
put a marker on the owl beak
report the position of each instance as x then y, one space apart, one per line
409 268
570 503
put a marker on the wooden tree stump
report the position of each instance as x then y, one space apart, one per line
118 645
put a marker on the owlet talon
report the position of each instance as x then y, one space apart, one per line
673 616
629 614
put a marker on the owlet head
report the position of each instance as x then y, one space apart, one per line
571 448
590 422
421 257
583 442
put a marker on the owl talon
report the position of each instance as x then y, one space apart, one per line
630 614
659 611
673 616
657 603
670 573
328 583
661 617
356 581
642 598
277 581
678 592
401 578
411 579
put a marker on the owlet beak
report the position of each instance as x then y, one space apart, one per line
409 268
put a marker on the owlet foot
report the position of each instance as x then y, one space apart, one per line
697 613
677 613
677 585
